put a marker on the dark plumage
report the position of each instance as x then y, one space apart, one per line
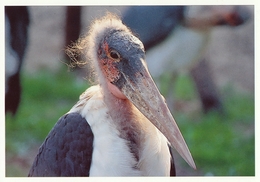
67 151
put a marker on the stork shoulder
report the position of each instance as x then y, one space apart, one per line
67 150
93 91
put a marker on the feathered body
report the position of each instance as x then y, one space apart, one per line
122 136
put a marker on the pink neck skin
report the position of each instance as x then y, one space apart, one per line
115 91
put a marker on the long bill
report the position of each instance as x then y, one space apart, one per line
141 90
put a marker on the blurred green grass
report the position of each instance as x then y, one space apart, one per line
221 144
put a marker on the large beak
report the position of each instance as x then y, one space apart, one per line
141 90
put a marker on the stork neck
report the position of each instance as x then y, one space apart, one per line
126 119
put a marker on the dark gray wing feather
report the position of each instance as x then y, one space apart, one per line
67 150
172 170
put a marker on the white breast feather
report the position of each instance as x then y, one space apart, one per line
111 155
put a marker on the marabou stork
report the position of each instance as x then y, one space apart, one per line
119 127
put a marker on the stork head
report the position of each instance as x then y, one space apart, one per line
119 57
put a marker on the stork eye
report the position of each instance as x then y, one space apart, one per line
114 55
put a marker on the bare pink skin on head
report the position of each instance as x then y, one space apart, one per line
111 73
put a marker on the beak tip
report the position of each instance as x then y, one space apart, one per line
182 148
188 158
193 165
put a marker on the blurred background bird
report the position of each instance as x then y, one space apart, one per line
16 37
176 37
